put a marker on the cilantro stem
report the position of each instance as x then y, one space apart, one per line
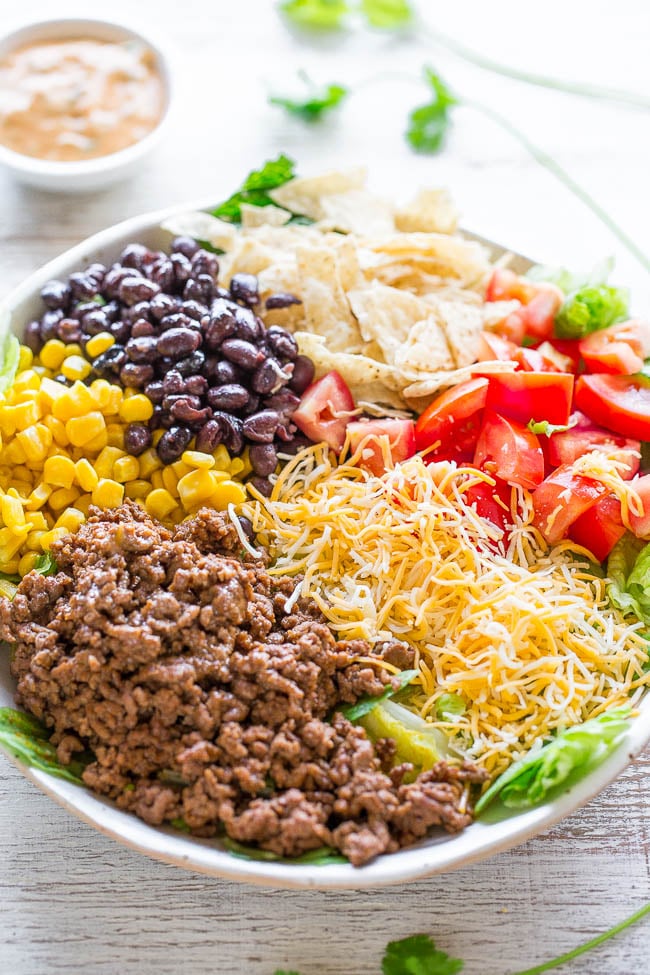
597 92
543 158
588 945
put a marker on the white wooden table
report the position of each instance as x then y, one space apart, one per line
73 901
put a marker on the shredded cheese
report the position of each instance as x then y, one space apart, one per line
523 633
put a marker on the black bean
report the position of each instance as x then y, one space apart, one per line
162 305
164 418
137 438
142 329
135 256
219 328
263 458
191 364
199 289
172 444
83 308
121 331
55 294
196 385
247 527
253 404
187 414
284 402
135 289
171 399
249 327
112 310
204 262
220 371
176 320
108 364
303 374
81 286
282 343
209 437
269 377
50 324
242 353
285 432
162 274
114 278
178 342
136 374
68 330
95 321
245 287
96 271
142 348
194 309
263 485
261 427
141 309
187 246
282 299
182 270
164 365
32 337
230 397
155 391
231 432
298 442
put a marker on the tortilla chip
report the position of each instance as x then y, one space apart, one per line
358 212
437 254
368 380
252 216
426 386
431 211
347 261
425 350
462 325
202 226
304 194
327 310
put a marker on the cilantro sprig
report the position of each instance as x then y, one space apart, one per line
429 124
317 102
255 188
325 15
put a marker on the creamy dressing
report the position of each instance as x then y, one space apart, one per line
78 99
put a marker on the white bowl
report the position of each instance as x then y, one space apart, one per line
90 174
496 831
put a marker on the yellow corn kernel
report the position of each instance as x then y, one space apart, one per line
157 480
77 401
225 493
159 503
72 519
83 504
52 354
125 469
136 409
37 520
149 462
39 496
82 429
157 436
23 489
104 463
86 475
33 540
177 516
196 458
10 567
26 414
222 458
137 489
237 466
25 358
54 535
99 343
195 488
100 390
170 481
108 493
131 391
7 422
113 400
14 454
27 563
22 473
57 429
35 442
59 471
13 515
76 367
115 434
10 543
49 391
26 381
63 497
94 446
180 469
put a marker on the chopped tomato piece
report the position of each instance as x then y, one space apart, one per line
541 311
560 500
526 396
619 349
508 450
568 349
325 410
640 524
491 502
493 346
513 326
565 447
400 435
453 421
554 360
619 403
600 527
505 284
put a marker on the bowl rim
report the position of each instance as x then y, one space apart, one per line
68 169
482 839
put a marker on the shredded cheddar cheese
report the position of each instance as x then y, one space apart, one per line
523 633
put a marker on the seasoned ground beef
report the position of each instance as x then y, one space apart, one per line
203 699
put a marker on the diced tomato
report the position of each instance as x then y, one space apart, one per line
530 360
619 403
600 527
568 348
540 304
640 524
553 359
491 502
525 396
325 409
619 349
492 346
401 441
560 500
505 284
508 450
541 311
566 447
453 421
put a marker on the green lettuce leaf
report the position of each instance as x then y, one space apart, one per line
26 739
569 281
628 567
528 781
417 741
321 857
9 358
418 955
46 565
591 308
353 712
255 188
450 706
546 429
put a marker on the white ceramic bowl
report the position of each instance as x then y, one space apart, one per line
89 174
496 831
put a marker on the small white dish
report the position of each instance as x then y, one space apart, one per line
497 831
89 174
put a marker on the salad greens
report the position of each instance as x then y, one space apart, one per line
9 358
570 281
429 124
354 712
417 741
46 565
628 566
450 706
27 739
316 103
333 14
546 429
321 857
591 308
255 188
528 781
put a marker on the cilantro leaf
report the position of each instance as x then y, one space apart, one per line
590 309
387 14
316 14
254 189
428 124
367 704
546 429
318 101
418 955
46 565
